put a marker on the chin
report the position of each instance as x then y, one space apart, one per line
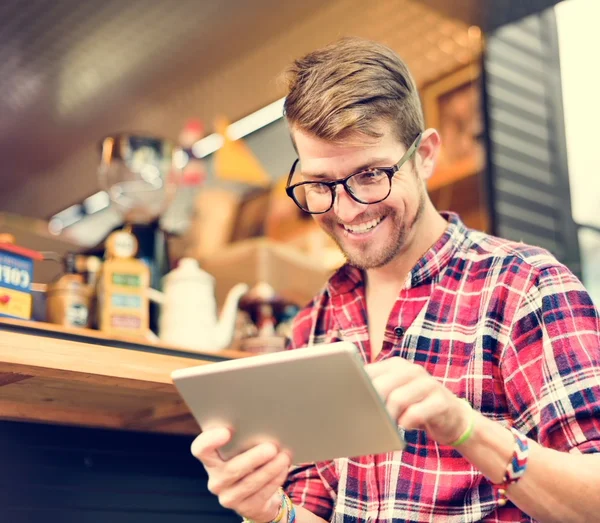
372 258
370 262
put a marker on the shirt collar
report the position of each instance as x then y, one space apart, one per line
428 268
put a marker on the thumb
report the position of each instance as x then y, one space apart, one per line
206 445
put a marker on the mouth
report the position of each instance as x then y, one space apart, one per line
362 229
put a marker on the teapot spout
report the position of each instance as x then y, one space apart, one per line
226 326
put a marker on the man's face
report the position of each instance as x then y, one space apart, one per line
369 235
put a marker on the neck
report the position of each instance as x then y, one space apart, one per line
430 226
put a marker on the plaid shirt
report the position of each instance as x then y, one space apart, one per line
500 323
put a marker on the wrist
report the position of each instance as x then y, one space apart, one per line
466 425
275 513
500 453
488 448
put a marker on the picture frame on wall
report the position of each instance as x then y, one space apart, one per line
452 104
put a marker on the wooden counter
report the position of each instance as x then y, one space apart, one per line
80 377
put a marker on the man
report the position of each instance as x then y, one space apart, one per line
441 314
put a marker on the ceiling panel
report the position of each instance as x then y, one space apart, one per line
489 14
72 71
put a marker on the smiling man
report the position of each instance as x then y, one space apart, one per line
487 352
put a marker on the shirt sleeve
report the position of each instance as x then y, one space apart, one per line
306 488
551 364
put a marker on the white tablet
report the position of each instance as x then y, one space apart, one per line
318 402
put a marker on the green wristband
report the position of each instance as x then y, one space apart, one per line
468 431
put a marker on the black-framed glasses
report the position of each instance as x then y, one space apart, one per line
368 186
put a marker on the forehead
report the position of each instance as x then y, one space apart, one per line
352 153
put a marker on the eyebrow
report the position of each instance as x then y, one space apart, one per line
373 162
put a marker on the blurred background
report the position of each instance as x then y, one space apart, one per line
165 120
144 158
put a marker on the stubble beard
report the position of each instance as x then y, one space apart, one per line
368 257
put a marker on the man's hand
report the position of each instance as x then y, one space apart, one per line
247 483
418 401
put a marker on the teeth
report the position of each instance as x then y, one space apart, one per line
362 227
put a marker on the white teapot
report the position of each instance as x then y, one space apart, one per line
188 316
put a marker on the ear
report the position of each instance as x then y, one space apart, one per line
427 154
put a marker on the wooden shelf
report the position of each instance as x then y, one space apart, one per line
80 377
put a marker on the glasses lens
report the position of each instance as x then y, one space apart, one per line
313 197
370 186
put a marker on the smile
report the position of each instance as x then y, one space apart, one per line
364 227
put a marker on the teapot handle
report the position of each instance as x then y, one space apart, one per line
155 296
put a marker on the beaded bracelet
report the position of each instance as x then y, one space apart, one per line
291 510
516 466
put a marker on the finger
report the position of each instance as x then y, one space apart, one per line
205 446
386 383
418 415
380 368
255 482
240 466
401 398
399 372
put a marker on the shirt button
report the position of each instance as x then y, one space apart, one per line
399 331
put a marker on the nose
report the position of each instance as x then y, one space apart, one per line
345 207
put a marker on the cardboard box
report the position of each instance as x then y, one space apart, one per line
292 273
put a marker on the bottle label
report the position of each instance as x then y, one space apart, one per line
77 315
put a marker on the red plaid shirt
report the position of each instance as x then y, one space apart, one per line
500 323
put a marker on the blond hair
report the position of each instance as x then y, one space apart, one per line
352 85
